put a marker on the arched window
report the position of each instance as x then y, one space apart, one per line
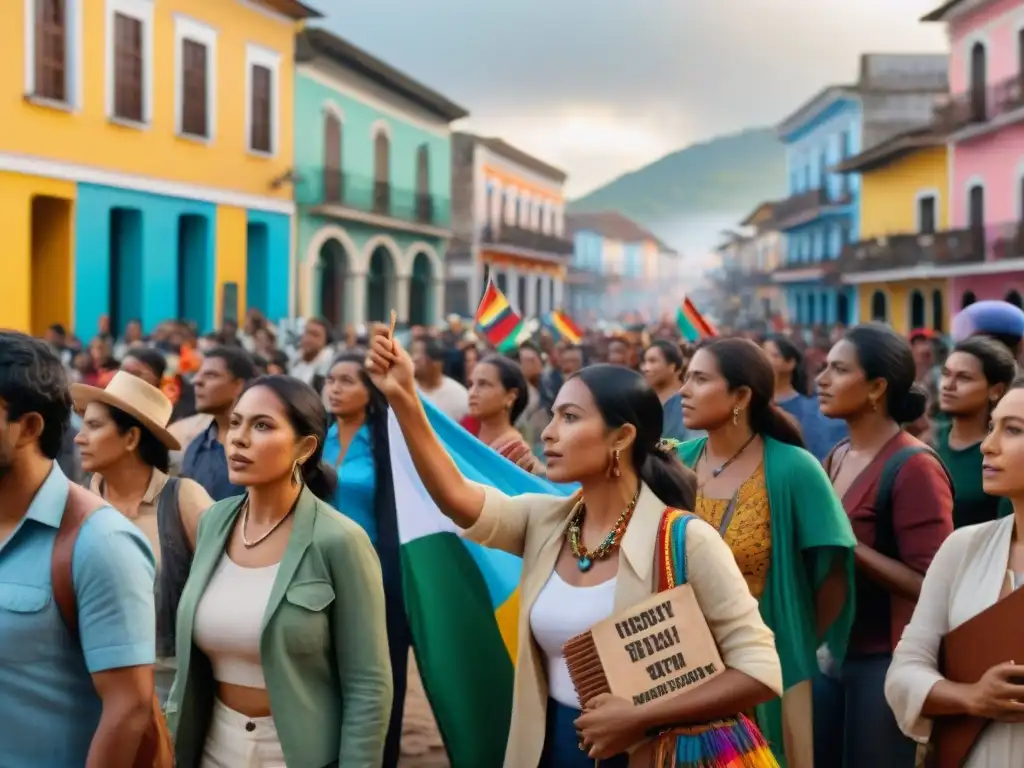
917 310
967 299
938 311
879 307
1013 297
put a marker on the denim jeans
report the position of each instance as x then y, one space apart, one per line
853 725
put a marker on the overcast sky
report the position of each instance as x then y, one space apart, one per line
599 87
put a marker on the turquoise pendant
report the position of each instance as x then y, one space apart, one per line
584 563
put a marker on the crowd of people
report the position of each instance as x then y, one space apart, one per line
854 497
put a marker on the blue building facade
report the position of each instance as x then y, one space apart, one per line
150 257
373 153
820 214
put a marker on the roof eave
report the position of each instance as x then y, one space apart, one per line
813 106
880 156
343 53
940 13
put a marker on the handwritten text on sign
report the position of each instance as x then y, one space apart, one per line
664 640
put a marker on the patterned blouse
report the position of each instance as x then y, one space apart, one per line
745 523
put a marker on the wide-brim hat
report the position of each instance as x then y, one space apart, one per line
135 397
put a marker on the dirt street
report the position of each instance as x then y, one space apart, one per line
421 742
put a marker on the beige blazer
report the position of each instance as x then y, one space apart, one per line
533 527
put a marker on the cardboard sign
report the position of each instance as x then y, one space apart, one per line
660 647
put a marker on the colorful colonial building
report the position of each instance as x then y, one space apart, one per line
145 160
893 93
984 118
905 240
508 225
619 269
373 152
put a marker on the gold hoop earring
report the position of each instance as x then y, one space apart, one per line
736 416
297 473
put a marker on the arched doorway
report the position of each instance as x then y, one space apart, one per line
381 173
917 310
967 299
195 294
1013 297
938 311
879 307
843 309
424 202
333 268
380 288
420 289
979 78
333 178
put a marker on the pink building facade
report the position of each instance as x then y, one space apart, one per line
984 118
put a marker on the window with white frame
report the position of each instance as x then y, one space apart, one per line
53 45
129 60
195 77
927 212
262 99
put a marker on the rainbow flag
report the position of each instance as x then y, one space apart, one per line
496 319
563 327
462 599
692 324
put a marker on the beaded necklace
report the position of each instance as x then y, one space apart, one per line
585 558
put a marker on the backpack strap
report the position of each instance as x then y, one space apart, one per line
80 505
671 548
885 530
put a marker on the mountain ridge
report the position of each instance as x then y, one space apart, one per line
708 181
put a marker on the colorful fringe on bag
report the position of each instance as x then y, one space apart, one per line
733 743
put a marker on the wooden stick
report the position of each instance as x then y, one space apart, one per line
394 320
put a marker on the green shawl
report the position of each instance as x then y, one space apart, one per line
809 530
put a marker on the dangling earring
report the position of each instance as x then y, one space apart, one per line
874 405
297 473
613 465
736 416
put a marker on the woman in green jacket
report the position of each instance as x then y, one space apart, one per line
282 648
774 505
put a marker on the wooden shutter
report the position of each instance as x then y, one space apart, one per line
194 117
51 49
262 110
128 68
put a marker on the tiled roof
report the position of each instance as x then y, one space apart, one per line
613 225
516 155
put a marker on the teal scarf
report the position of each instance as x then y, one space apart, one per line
810 533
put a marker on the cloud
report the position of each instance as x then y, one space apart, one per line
599 87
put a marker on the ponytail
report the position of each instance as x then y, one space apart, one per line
671 481
799 379
320 478
775 423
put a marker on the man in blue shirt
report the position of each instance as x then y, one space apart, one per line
218 383
66 701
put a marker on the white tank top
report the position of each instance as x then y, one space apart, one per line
228 621
561 612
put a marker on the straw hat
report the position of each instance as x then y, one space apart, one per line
135 397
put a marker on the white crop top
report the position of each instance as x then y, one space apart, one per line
561 612
228 621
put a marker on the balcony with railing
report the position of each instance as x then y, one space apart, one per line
807 206
979 107
508 236
336 193
972 245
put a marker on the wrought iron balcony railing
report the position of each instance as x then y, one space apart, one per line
517 237
980 106
949 247
333 188
808 205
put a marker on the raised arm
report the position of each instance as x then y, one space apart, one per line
390 369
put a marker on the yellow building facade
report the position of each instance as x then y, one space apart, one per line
904 183
145 160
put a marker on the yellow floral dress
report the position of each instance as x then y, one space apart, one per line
748 531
